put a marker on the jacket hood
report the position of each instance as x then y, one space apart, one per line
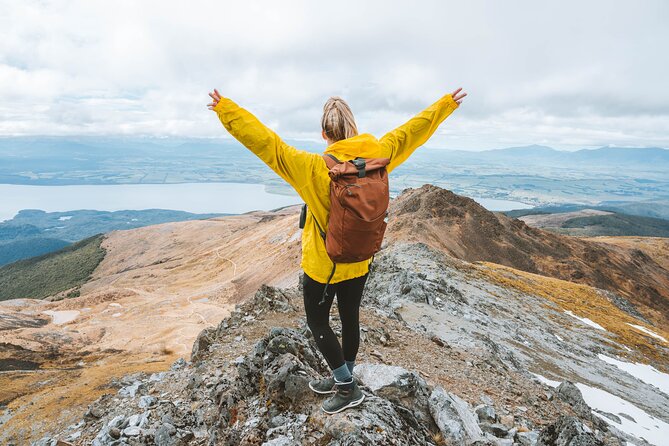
364 145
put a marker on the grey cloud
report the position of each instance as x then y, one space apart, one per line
557 73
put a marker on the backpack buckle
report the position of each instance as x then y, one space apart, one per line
360 164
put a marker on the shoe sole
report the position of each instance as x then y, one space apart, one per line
351 404
321 392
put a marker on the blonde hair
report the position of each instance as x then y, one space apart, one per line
337 121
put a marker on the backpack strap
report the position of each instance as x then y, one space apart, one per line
325 290
320 230
334 265
330 160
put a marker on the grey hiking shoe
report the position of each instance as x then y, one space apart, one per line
323 386
343 399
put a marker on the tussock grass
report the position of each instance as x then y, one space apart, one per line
585 301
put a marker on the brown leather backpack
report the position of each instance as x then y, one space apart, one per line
359 198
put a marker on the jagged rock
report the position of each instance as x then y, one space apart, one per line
131 390
486 413
119 422
73 436
163 435
138 420
569 393
265 399
398 385
609 415
529 438
507 420
178 364
282 363
454 418
147 401
376 422
131 431
377 336
567 431
115 433
93 413
623 303
497 429
269 298
202 343
280 441
438 340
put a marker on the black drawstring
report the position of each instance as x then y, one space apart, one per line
325 290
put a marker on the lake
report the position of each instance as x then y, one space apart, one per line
495 204
226 198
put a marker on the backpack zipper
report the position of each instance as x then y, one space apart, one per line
348 191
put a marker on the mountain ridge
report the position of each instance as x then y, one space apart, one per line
478 329
464 229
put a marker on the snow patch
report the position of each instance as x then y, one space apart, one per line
643 372
54 227
62 317
647 331
652 429
545 380
585 320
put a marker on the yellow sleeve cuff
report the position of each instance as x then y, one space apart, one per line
450 101
223 103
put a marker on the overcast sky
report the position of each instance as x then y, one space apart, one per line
568 74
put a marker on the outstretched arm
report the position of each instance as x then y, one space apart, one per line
405 139
294 166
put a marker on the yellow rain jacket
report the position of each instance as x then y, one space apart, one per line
307 173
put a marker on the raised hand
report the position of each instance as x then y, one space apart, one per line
457 95
215 96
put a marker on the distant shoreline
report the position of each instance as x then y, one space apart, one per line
197 198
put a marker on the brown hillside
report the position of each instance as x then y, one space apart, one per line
465 230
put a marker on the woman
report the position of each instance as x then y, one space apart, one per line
307 173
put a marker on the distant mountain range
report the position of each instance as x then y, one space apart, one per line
84 151
647 208
652 158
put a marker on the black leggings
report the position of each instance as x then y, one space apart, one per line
349 293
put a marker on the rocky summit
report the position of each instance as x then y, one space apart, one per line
261 397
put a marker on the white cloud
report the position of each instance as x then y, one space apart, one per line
566 74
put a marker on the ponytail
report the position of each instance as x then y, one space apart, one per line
337 121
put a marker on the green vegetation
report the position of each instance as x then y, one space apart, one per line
48 274
25 248
546 210
620 224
